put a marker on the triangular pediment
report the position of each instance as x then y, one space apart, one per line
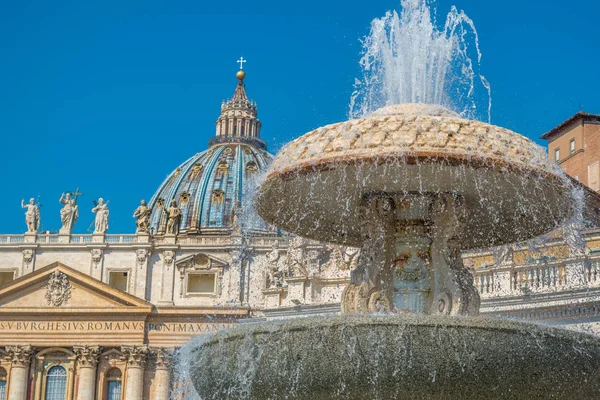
201 261
57 288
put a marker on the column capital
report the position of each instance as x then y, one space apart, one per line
135 356
163 357
87 356
20 356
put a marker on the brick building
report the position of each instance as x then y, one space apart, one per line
575 145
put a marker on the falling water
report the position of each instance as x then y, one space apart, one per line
316 188
408 58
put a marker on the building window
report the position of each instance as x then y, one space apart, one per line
572 146
5 277
557 154
113 384
201 283
2 384
119 280
56 383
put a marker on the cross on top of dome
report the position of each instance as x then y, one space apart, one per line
241 74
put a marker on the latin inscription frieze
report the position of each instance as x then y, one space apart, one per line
108 326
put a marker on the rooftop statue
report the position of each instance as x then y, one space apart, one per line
101 211
142 215
174 218
235 217
69 212
32 215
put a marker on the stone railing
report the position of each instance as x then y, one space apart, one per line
81 239
120 238
510 281
487 283
54 238
197 240
47 238
7 239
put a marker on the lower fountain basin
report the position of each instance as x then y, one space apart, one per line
396 357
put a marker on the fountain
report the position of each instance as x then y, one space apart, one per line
412 185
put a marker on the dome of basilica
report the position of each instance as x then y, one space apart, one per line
216 184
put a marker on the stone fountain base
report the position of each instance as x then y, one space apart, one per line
396 357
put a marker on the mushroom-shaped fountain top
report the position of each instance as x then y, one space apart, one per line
509 189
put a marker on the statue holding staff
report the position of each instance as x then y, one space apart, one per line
32 215
69 212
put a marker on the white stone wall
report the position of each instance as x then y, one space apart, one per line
156 273
311 274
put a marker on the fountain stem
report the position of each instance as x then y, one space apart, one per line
411 264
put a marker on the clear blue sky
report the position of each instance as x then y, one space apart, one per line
111 96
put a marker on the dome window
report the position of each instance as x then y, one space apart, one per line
160 202
217 196
196 170
223 167
228 151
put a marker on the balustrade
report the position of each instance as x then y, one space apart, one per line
540 277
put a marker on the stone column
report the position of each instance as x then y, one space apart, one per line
20 356
135 356
87 360
162 376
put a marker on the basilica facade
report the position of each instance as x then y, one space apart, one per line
101 316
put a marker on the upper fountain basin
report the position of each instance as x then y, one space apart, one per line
511 190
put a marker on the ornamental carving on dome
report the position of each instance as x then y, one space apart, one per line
223 167
184 198
251 166
58 289
218 196
196 170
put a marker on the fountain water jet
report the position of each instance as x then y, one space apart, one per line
412 185
408 59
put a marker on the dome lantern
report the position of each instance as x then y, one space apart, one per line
238 122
